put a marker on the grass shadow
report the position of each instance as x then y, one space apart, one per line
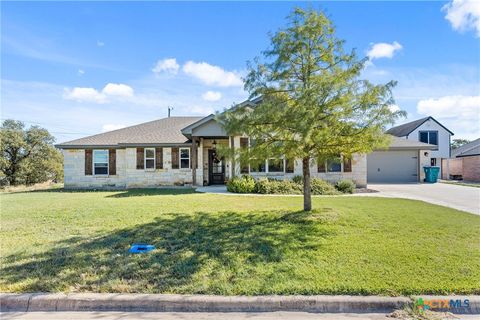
119 193
188 246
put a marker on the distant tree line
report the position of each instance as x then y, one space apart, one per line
28 155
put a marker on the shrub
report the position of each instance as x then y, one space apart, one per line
345 186
272 186
322 187
298 179
243 184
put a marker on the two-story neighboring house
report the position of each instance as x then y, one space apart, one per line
427 130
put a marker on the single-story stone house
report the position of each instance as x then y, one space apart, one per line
182 151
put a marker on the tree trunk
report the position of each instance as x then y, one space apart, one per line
307 191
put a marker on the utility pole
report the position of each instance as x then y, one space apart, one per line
169 110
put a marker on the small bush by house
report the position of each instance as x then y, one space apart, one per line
345 186
272 186
243 184
322 187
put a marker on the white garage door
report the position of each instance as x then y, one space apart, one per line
392 166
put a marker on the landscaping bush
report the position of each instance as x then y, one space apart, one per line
322 187
345 186
243 184
298 179
273 186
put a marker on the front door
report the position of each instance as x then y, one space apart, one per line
216 168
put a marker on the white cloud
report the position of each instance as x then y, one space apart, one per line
111 127
100 43
118 89
79 94
211 96
84 95
81 72
458 111
383 50
212 75
463 15
168 65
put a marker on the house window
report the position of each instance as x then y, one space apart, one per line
430 137
275 165
100 162
149 158
258 167
184 158
334 165
433 162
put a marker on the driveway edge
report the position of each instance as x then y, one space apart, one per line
209 303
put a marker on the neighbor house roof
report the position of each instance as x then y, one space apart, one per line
402 143
407 128
469 149
166 131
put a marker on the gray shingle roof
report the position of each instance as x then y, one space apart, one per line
469 149
162 131
406 128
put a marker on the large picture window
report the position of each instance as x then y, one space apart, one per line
184 158
258 167
149 158
100 162
275 165
430 137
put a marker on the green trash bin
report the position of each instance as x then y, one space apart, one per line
431 174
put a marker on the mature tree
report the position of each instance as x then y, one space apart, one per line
313 104
458 143
28 155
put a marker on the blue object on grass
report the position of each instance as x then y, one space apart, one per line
141 248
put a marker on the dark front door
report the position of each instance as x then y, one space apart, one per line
216 168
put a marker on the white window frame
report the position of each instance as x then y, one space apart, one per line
180 158
93 162
145 159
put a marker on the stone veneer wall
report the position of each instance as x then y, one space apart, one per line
127 174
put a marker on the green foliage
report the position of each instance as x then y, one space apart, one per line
243 184
62 241
297 179
458 143
322 187
28 155
345 186
312 102
273 186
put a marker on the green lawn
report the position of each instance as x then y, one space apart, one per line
218 244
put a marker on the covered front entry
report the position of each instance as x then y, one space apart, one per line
216 168
392 166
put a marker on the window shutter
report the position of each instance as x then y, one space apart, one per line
289 165
243 142
175 159
347 165
320 166
88 162
159 158
112 162
140 158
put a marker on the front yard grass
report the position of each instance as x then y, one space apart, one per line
220 244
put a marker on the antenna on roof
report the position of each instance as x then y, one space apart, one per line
169 109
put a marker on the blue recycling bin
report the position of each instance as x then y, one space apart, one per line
431 174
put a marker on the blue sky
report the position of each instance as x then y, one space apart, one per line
83 68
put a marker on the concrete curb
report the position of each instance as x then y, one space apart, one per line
209 303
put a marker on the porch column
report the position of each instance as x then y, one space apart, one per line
232 162
194 161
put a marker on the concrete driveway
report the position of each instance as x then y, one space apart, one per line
458 197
